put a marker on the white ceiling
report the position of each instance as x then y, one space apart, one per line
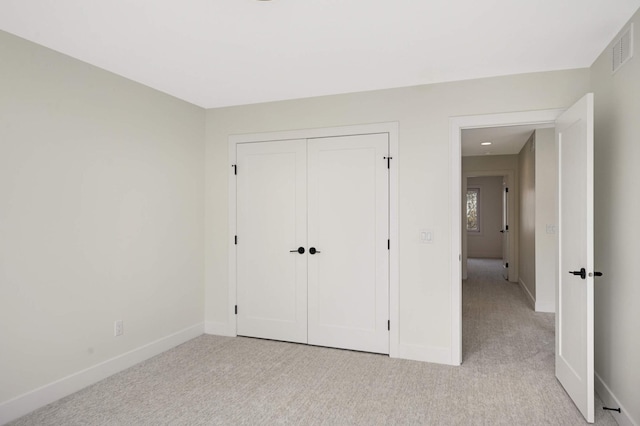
229 52
504 140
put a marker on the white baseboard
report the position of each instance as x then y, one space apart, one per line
537 305
549 307
610 400
219 329
530 298
25 403
438 355
433 354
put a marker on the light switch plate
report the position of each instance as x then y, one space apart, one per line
425 236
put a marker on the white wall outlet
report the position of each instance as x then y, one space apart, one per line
118 328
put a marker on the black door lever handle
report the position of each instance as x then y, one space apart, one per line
582 273
299 250
313 250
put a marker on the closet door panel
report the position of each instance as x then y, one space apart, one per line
348 223
271 225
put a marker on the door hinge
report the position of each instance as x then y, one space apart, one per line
506 190
506 227
236 309
388 325
235 169
388 244
388 161
506 265
235 239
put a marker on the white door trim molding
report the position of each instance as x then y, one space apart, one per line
391 128
456 125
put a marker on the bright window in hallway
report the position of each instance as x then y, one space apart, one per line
473 210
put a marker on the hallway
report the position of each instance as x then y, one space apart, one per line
504 338
498 325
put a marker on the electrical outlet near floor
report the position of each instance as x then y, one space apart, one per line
118 328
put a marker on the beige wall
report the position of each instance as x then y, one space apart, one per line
526 219
425 186
617 293
101 215
488 242
546 242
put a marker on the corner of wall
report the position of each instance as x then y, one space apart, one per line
219 329
30 401
530 299
623 418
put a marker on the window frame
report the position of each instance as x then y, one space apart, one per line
478 190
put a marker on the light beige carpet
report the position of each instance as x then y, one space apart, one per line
507 378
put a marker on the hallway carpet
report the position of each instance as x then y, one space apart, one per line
506 378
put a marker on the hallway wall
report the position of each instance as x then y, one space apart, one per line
546 241
526 219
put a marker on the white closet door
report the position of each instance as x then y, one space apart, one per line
271 223
348 224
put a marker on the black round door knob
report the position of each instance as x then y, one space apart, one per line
300 250
313 250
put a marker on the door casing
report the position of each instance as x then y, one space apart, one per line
511 176
391 128
456 125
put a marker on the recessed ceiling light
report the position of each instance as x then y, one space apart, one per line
485 143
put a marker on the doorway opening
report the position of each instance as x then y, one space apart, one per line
510 201
496 210
487 219
543 118
574 340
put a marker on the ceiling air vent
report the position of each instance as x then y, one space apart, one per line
622 49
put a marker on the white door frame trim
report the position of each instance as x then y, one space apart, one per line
456 125
392 129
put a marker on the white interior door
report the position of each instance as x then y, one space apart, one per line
505 230
574 297
348 224
271 226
